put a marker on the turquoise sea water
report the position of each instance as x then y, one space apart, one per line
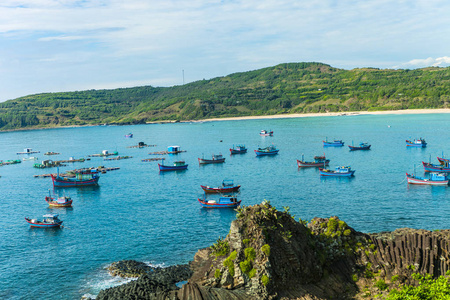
138 213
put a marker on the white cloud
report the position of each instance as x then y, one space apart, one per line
426 62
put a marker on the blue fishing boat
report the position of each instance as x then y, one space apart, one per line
177 165
216 159
222 202
239 149
335 143
362 146
271 150
82 178
420 143
49 221
429 167
434 179
338 172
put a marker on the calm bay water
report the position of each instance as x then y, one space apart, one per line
138 213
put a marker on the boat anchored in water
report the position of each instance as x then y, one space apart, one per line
266 133
222 202
58 201
216 159
342 171
420 143
271 150
49 221
319 161
335 143
227 187
82 178
177 165
434 179
239 149
362 146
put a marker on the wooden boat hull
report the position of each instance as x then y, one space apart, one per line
335 174
428 167
302 164
203 161
218 205
263 153
424 181
43 225
72 182
353 148
238 151
220 190
53 203
171 168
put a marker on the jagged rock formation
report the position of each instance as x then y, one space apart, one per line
269 255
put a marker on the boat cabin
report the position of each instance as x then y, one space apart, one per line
438 176
217 156
179 163
227 182
343 169
51 218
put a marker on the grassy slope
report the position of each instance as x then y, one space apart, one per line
285 88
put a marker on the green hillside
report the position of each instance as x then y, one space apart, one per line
285 88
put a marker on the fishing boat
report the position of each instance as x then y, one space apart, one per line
271 150
443 161
177 165
421 143
335 143
82 178
342 171
429 167
227 187
49 221
63 201
362 146
130 135
222 202
238 149
434 179
216 159
29 158
319 161
266 133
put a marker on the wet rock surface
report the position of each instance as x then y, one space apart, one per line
269 255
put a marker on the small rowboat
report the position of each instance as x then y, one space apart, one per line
416 143
362 146
49 221
177 165
271 150
239 149
223 202
59 202
435 179
216 159
338 172
130 135
227 187
266 133
335 143
319 161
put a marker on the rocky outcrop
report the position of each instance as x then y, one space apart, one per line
269 255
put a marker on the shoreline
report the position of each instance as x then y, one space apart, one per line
332 114
281 116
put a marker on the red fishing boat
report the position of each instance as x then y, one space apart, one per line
227 187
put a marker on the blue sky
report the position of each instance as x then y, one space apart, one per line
68 45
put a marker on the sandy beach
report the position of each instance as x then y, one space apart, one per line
334 114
